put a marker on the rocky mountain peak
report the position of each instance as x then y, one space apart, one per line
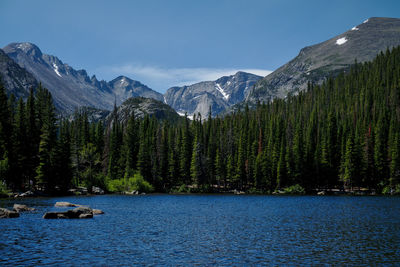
27 48
315 63
217 95
73 88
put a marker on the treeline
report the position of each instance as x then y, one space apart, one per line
39 150
342 134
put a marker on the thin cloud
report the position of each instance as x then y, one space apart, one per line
160 79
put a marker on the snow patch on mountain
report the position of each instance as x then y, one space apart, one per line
219 88
55 67
341 41
365 21
354 29
182 114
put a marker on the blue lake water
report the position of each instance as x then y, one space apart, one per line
207 230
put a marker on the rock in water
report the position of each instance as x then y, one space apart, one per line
27 194
97 212
66 204
81 210
54 215
77 213
5 213
97 190
86 216
20 208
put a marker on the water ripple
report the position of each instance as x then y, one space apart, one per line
207 230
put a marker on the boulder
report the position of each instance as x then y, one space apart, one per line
83 190
20 208
66 204
97 190
55 215
77 213
25 194
133 192
5 213
238 192
78 191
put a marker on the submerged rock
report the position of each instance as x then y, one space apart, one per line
21 207
5 213
86 216
66 204
97 212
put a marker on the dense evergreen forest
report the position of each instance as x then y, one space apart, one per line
342 134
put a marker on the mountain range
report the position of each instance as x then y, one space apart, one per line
23 66
72 88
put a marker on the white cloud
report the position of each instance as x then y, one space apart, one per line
160 79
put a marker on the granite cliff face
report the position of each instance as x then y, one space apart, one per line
315 63
140 107
219 94
15 79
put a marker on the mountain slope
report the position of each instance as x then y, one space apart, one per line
219 94
315 63
72 88
141 106
15 79
124 88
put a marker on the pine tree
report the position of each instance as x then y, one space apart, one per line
45 170
196 168
90 163
185 152
395 162
62 158
349 167
5 133
115 142
19 146
220 170
32 138
131 144
281 171
144 160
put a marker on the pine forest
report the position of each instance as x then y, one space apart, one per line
342 134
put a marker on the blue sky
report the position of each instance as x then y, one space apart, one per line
169 42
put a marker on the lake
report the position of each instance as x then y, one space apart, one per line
207 230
